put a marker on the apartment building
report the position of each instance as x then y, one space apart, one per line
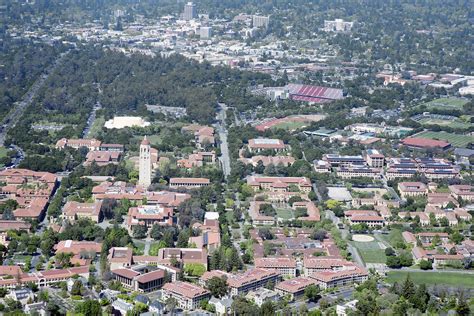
294 288
349 277
188 296
312 265
285 266
250 280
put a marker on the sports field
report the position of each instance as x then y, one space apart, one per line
291 126
371 252
432 278
456 140
444 103
450 123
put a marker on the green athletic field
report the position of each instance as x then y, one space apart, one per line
432 278
370 251
443 103
456 140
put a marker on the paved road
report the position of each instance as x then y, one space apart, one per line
92 116
222 130
19 107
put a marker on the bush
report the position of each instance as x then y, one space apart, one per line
426 265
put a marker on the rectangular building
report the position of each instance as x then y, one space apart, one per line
188 296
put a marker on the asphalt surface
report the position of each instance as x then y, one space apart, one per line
222 130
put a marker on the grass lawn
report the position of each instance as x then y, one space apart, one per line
456 140
3 153
285 213
443 103
393 238
432 278
96 127
370 251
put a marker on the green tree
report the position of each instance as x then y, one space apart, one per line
426 265
267 309
89 307
312 293
217 286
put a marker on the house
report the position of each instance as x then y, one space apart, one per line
72 211
294 288
262 295
223 306
39 308
21 295
412 189
347 308
157 307
189 183
121 307
188 296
